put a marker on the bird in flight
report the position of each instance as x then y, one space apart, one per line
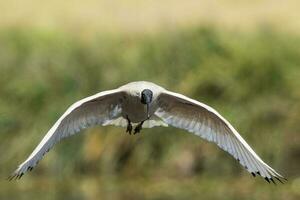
145 105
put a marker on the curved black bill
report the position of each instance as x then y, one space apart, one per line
148 115
146 98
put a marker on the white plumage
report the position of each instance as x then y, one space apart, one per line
122 106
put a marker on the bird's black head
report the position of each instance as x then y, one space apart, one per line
146 96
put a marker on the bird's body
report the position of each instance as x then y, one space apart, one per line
146 105
132 106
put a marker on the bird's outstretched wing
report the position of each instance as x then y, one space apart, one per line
99 109
185 113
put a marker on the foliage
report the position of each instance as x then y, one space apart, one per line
251 78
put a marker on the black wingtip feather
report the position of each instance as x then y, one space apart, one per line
15 176
278 179
30 168
20 175
267 179
11 177
273 181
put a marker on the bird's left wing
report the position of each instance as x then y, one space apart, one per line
99 109
185 113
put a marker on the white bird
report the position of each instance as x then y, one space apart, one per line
147 105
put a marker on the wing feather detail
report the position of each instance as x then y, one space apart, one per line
99 109
185 113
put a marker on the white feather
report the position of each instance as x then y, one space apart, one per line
185 113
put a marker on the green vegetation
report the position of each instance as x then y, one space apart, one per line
252 79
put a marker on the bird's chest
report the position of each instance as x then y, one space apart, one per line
133 108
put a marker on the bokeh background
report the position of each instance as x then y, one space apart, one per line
241 57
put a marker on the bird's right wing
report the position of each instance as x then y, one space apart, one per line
185 113
101 109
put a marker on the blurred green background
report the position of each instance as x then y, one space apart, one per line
242 58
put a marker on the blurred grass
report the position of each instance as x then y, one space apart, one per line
251 78
95 16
